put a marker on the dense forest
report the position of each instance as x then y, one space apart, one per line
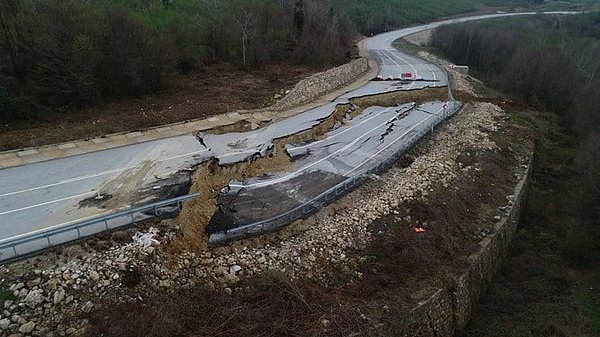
556 69
65 54
60 55
553 65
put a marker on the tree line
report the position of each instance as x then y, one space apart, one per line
57 55
552 63
377 16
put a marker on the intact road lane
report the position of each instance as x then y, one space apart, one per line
47 194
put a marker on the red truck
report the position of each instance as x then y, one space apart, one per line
407 76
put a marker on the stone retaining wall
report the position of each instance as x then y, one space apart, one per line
449 309
321 83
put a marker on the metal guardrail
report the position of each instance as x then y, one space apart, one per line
326 197
16 247
333 193
26 244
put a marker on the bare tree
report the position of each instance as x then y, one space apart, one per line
245 21
211 22
11 36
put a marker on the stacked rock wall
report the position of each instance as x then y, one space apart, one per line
449 309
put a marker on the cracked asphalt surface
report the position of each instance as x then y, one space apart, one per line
37 197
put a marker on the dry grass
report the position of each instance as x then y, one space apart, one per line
398 268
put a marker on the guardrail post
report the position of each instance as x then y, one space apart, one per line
48 239
106 223
78 233
155 211
132 218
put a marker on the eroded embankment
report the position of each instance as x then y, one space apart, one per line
210 178
381 276
123 286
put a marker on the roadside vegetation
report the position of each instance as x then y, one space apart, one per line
6 294
59 57
549 284
372 291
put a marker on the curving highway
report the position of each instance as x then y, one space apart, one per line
61 192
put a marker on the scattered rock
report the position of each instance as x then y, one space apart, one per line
27 327
87 308
34 298
59 295
17 286
4 323
165 283
94 276
34 282
235 269
52 284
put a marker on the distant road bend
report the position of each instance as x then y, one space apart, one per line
60 193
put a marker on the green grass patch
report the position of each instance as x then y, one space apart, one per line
519 117
586 294
6 295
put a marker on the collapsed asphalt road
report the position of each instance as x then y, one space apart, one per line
37 197
348 151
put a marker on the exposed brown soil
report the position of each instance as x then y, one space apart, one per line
215 89
391 99
210 178
399 268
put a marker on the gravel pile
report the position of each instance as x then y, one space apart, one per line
460 81
48 301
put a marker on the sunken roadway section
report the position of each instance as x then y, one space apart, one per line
324 169
55 194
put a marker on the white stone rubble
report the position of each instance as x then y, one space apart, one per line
48 300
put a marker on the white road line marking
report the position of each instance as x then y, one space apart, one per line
46 203
392 143
90 176
415 73
304 168
341 132
384 53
